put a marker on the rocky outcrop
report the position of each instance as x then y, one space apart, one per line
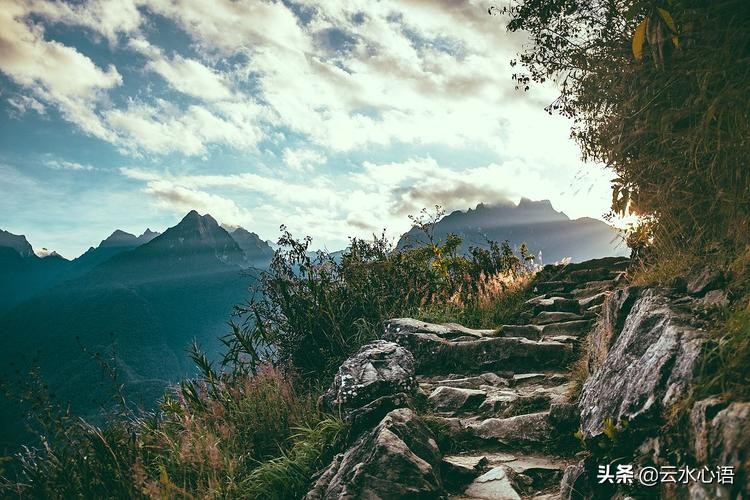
397 459
376 380
652 358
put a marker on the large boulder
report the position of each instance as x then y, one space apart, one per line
650 364
379 378
397 459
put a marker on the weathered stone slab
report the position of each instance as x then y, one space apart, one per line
494 484
434 354
573 328
544 318
455 399
650 364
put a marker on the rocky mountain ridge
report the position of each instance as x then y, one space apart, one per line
535 223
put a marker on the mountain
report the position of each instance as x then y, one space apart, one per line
258 253
22 272
147 302
535 223
116 243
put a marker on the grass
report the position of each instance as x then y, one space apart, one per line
498 300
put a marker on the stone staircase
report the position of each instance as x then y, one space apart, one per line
501 397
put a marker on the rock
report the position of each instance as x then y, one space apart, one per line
433 354
554 286
396 459
555 304
564 417
521 431
726 442
526 331
700 423
575 483
379 378
594 300
494 484
456 399
594 274
612 318
705 280
567 328
714 298
446 331
555 317
459 470
650 364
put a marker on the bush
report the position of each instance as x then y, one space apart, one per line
312 311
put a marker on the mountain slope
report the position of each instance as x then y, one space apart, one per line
535 223
147 304
258 253
116 243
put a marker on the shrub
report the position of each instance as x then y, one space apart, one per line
312 311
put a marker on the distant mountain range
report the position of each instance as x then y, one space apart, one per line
144 297
535 223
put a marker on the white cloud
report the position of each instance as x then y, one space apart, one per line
46 68
302 159
68 165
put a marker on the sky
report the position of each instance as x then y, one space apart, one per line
334 118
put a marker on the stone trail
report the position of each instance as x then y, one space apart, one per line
502 396
494 404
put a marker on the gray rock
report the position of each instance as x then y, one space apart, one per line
714 298
433 354
522 431
705 280
397 459
573 328
555 317
369 384
594 300
447 331
725 441
494 484
554 304
575 483
532 332
456 399
650 364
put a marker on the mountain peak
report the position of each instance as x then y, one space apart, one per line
118 238
17 242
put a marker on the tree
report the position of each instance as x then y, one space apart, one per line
657 91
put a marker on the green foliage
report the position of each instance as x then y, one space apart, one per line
206 440
658 92
725 370
312 311
288 476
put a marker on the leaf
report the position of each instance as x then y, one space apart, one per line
639 38
676 41
667 17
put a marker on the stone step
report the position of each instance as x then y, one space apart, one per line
592 274
556 304
574 328
455 399
555 286
594 300
521 432
544 318
502 379
528 475
532 332
434 355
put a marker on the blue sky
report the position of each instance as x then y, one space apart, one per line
335 118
